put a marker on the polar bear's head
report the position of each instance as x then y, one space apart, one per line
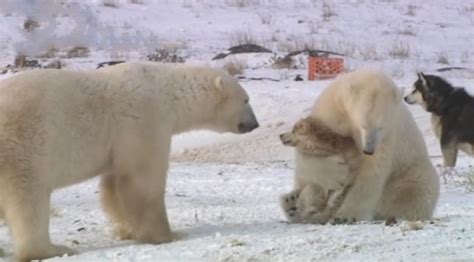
233 113
371 102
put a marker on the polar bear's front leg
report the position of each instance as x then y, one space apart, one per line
27 215
289 205
144 208
110 203
365 193
140 170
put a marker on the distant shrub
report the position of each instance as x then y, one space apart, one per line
411 10
242 38
242 3
443 58
166 55
369 53
283 62
407 31
77 51
51 52
110 3
328 11
234 67
56 64
30 25
265 17
400 50
22 61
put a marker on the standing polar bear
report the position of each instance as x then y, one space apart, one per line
59 128
394 176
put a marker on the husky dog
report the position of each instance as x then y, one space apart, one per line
452 114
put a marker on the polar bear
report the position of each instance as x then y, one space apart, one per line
58 128
333 159
394 177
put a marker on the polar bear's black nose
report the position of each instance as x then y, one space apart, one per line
247 127
368 152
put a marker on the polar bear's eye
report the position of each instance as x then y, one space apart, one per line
247 101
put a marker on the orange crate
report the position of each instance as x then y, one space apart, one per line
324 67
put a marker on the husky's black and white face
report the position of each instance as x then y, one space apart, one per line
428 91
415 96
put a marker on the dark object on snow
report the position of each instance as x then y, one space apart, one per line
283 63
442 69
391 221
166 55
343 221
298 78
257 78
23 61
77 51
30 25
314 52
109 63
247 48
55 64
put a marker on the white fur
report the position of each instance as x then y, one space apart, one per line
331 172
59 128
398 179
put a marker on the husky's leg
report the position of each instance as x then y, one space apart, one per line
449 149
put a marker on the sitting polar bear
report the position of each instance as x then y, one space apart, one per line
394 175
59 128
332 159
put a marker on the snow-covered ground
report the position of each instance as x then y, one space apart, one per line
223 189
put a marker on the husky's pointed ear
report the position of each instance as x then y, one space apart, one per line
422 77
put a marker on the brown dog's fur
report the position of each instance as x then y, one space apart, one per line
310 202
310 136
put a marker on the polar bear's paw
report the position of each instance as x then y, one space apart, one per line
288 203
45 252
123 233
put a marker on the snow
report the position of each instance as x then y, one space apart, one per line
229 212
223 189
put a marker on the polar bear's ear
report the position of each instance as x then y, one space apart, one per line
218 83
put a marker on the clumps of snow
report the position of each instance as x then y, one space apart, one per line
411 225
460 177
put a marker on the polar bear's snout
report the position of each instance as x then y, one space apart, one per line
370 140
248 120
